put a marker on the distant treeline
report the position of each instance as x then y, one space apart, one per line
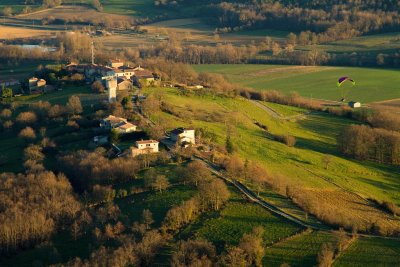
76 46
331 20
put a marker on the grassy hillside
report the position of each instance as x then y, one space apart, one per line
317 82
339 186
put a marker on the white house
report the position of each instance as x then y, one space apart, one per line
126 128
353 104
144 147
117 123
182 135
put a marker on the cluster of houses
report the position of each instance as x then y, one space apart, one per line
178 137
115 76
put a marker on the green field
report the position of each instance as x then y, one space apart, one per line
301 250
137 8
316 136
301 166
313 82
16 5
376 43
283 110
366 252
239 218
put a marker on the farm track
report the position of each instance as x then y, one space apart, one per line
278 116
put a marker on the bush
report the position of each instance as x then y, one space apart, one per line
97 87
26 118
288 140
27 133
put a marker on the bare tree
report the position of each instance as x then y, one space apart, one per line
74 105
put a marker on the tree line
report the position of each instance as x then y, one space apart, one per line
365 143
330 20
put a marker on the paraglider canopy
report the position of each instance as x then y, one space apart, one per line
344 79
345 89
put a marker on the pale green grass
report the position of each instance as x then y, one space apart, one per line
284 110
316 136
316 82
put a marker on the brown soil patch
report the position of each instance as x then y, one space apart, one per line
7 32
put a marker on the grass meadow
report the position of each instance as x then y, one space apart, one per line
235 219
301 250
339 186
368 252
315 82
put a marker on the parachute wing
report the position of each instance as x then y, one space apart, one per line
342 80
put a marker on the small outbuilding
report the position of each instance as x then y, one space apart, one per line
354 104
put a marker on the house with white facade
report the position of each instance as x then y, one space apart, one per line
143 147
183 135
120 124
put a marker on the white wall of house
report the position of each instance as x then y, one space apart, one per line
187 136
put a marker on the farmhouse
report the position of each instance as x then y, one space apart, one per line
143 147
115 63
182 136
124 84
120 124
36 84
143 77
353 104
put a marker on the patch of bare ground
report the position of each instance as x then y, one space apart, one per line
338 207
8 33
392 105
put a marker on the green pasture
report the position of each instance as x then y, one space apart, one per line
283 110
366 252
376 43
316 136
16 5
237 219
313 82
137 8
301 250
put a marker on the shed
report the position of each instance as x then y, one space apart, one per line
354 104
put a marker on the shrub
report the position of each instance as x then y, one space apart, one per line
287 139
26 118
97 87
6 113
27 133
